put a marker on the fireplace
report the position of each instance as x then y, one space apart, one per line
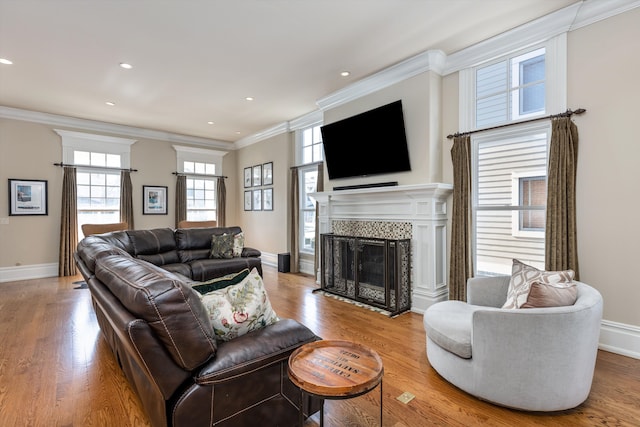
414 212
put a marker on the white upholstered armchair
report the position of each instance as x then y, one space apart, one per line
534 359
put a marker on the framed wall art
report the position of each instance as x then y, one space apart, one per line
257 176
247 178
28 197
267 199
267 173
154 200
247 200
257 200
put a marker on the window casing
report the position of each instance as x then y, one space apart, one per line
509 165
201 191
309 152
308 184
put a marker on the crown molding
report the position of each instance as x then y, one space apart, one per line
311 119
262 135
201 151
104 127
593 11
431 60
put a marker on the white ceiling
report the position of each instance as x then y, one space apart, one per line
196 61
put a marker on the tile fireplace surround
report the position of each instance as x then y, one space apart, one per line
418 212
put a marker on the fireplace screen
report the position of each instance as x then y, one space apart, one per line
370 270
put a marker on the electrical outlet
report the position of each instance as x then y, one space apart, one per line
406 397
4 221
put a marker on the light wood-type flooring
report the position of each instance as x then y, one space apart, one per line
57 370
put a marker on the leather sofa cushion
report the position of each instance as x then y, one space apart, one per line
206 269
449 324
171 308
255 349
157 246
93 247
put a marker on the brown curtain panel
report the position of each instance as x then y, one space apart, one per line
221 202
294 205
319 188
126 199
68 224
460 267
181 199
561 247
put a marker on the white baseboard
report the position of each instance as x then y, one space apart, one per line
620 338
27 272
269 259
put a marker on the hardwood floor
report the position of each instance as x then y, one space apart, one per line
56 369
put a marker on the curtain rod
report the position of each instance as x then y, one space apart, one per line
62 165
567 113
199 174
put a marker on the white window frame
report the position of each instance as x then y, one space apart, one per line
80 141
200 155
302 170
555 102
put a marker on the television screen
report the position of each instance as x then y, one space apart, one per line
370 143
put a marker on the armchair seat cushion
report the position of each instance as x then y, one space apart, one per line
449 325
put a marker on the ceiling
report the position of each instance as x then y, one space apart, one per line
196 61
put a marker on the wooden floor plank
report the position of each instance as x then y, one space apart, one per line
56 368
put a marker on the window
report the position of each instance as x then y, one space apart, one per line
201 191
309 152
98 159
311 145
98 191
511 89
200 165
308 184
533 192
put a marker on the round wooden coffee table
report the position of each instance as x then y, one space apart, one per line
335 369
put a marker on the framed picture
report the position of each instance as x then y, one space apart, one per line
28 197
267 199
267 173
247 200
257 176
154 200
257 200
247 178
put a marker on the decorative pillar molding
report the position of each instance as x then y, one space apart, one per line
424 206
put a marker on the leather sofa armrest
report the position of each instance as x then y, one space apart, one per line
248 252
254 350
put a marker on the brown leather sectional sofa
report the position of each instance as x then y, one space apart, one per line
161 336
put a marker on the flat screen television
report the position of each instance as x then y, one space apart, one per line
370 143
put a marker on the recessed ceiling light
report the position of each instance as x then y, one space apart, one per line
5 61
110 104
126 66
238 132
210 123
345 73
249 98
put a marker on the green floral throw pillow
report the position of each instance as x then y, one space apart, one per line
220 282
239 309
222 246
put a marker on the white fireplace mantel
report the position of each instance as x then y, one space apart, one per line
422 205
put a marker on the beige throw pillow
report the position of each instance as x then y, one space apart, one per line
522 277
551 295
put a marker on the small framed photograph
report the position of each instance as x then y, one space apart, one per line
257 200
28 197
247 200
267 173
247 178
267 199
154 200
257 176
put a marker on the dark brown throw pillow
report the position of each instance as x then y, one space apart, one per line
222 246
